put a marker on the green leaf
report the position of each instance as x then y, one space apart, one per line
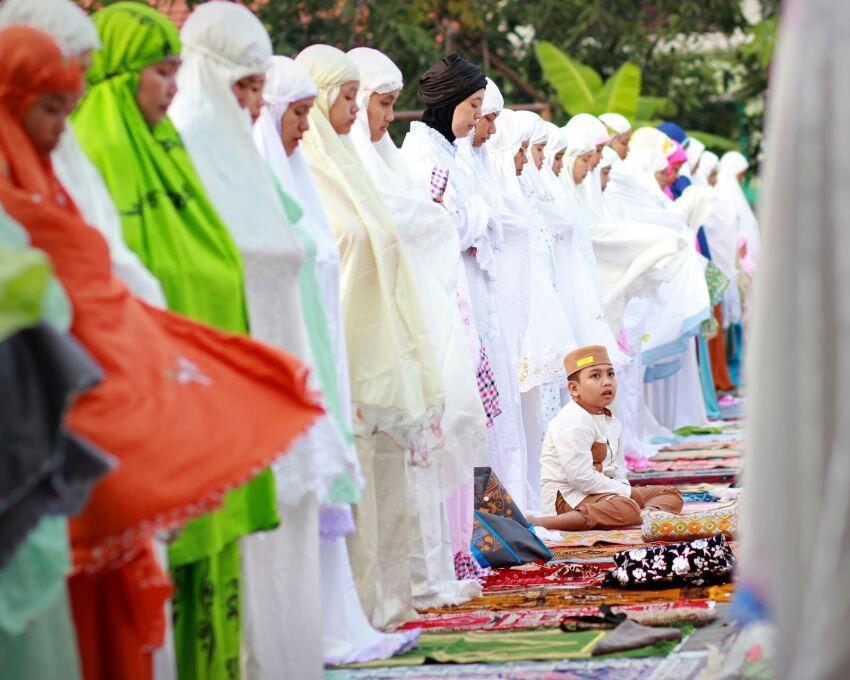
575 83
649 108
620 93
715 141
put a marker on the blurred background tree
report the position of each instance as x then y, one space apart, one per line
709 58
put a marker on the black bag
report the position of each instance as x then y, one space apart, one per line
501 535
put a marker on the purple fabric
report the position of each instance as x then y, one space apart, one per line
335 521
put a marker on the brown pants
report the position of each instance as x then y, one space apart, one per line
610 511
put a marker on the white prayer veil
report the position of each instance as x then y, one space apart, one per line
695 150
476 159
378 75
286 82
609 158
707 163
63 19
538 133
616 123
493 102
594 132
395 381
75 34
223 42
729 189
795 539
510 133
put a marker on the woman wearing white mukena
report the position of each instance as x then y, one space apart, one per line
289 94
453 92
441 507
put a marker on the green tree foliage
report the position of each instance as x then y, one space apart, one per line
703 91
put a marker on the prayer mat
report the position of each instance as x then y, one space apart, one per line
590 552
695 612
703 446
678 477
556 576
699 464
541 598
681 665
698 454
494 647
589 538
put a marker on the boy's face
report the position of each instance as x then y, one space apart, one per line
596 386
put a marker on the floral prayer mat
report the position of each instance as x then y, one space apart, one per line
543 598
696 454
695 612
551 575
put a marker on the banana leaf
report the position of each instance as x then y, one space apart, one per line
575 83
620 93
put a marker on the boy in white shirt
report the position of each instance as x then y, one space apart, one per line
582 466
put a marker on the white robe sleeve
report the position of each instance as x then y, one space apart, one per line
573 445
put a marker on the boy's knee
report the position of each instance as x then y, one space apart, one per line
627 510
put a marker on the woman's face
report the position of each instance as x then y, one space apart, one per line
582 166
380 113
294 123
157 87
558 162
537 154
605 174
521 158
740 176
467 114
620 144
44 121
712 177
249 93
343 111
595 156
673 171
661 178
484 129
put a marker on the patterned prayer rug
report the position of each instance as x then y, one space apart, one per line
550 575
696 612
542 598
589 538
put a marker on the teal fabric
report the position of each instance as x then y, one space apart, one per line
37 638
709 393
344 489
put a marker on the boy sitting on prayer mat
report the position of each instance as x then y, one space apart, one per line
582 465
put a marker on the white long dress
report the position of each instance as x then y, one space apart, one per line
347 635
217 135
442 486
423 149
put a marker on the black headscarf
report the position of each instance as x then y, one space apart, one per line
445 85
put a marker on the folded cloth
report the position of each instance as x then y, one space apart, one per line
630 635
659 525
707 560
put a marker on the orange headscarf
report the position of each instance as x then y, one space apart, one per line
32 66
188 411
